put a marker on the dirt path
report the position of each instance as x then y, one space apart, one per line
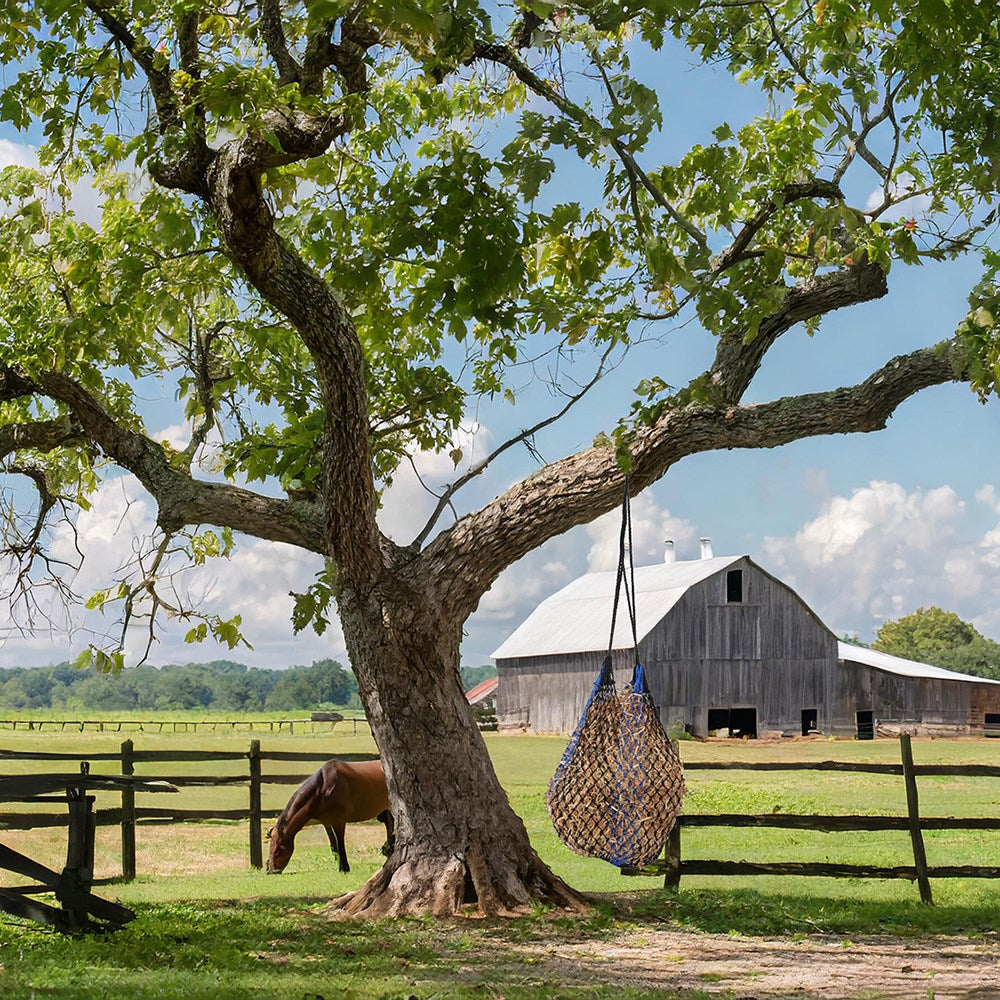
815 966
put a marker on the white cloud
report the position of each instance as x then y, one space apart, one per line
652 525
884 551
988 495
255 583
84 200
407 504
910 207
13 154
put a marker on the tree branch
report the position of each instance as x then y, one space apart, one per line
180 499
273 33
38 436
738 360
506 56
468 557
444 500
142 52
736 251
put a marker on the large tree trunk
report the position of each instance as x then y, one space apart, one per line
457 839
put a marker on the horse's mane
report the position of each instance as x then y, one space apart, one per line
295 803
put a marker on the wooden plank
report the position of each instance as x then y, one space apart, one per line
821 870
198 815
26 784
256 824
18 863
128 815
113 817
819 765
912 807
209 780
186 755
672 859
31 821
319 758
30 909
964 770
40 755
790 821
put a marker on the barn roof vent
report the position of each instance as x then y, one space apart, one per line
706 548
669 555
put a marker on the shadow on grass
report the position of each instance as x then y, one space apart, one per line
291 949
753 913
288 947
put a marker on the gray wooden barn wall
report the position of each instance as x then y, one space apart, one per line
770 653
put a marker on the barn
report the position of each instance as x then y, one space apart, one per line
728 649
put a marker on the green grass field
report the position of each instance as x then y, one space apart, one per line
253 934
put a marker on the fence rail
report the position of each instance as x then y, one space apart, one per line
128 814
181 725
673 866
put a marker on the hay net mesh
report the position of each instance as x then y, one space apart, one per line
617 791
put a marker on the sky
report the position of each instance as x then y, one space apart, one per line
864 527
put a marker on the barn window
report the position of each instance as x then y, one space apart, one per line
734 586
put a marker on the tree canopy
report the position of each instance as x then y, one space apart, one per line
333 226
931 635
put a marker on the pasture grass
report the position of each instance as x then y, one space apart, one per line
211 927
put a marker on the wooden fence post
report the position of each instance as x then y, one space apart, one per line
256 832
672 856
128 815
916 837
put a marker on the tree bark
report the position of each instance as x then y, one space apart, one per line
457 841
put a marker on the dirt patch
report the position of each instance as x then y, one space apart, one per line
815 966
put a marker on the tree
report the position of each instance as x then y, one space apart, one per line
334 225
941 638
923 633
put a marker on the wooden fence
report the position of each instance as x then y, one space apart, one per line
180 725
672 866
127 814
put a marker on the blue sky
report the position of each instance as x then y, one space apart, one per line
865 527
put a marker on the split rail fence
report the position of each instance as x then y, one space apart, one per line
673 866
181 725
127 814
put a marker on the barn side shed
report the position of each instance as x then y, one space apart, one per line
727 648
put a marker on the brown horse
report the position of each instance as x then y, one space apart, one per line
340 792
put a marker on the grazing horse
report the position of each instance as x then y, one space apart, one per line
339 792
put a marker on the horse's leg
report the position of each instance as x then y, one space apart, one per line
331 833
390 838
336 835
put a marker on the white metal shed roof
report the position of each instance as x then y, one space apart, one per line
577 618
897 665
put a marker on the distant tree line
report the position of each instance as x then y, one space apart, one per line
216 686
930 635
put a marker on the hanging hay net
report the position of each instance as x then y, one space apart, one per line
617 791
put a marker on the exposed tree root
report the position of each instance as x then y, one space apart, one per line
441 887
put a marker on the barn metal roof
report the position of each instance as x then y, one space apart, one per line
482 691
897 665
577 618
